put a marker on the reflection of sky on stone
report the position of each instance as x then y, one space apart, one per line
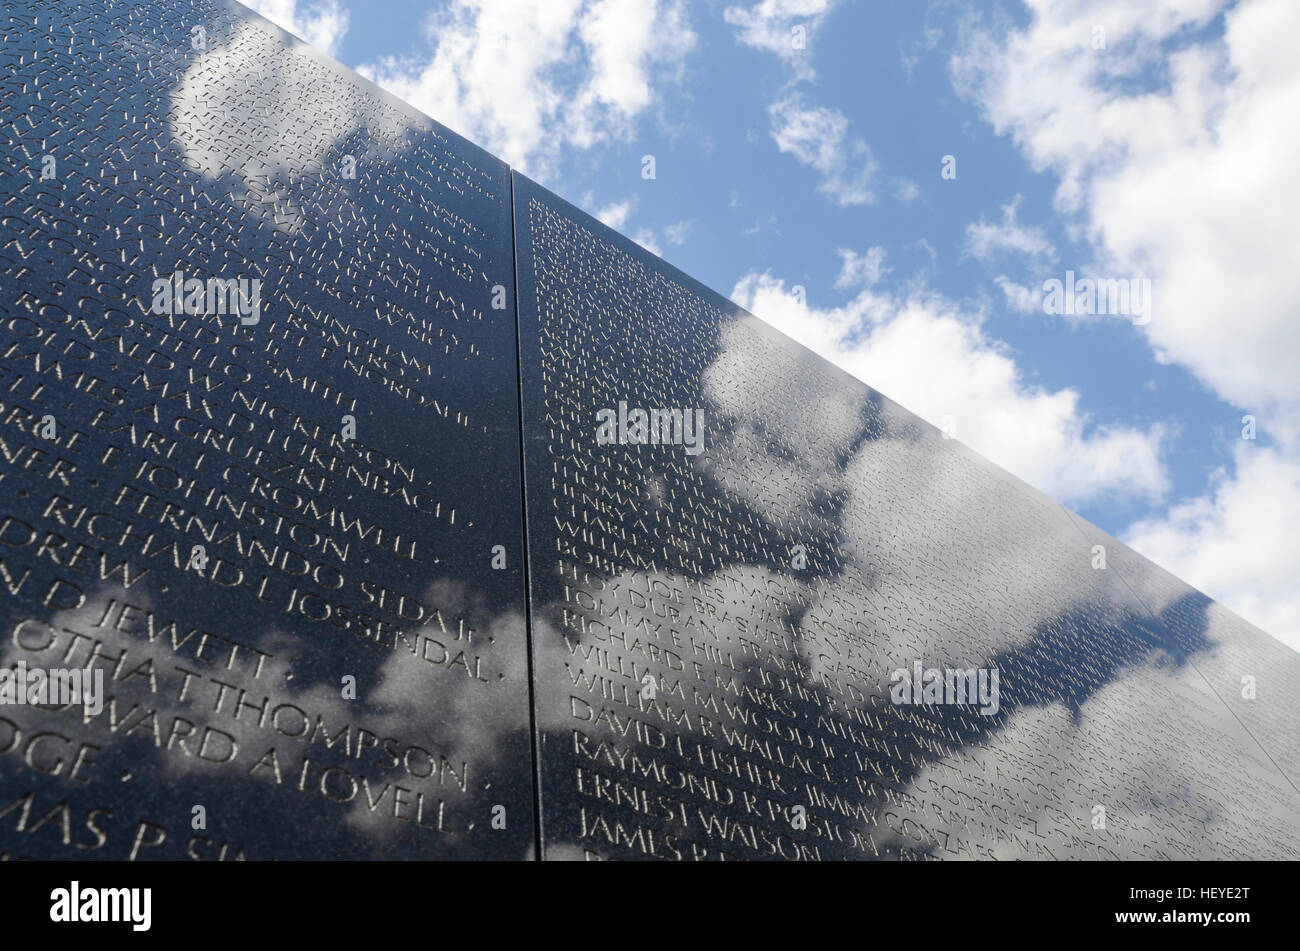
437 709
256 132
450 712
279 120
212 120
918 550
1157 795
640 619
918 528
1223 648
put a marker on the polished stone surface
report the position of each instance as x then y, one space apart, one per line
768 587
379 237
718 616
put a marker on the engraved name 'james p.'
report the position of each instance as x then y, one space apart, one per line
282 361
247 406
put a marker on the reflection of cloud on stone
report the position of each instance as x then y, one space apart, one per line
460 698
250 64
799 442
751 378
918 550
253 732
465 716
1237 651
565 852
1155 587
228 721
637 619
1047 800
707 690
49 642
907 545
1228 651
549 645
182 721
311 108
937 546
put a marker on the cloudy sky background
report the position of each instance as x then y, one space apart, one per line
1114 138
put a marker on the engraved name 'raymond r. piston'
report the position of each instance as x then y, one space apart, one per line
284 363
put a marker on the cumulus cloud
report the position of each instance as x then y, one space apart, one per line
861 270
985 240
819 138
1214 542
1021 299
322 23
930 355
773 25
646 238
1173 146
677 233
528 79
1189 183
616 213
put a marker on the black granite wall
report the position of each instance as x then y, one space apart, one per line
320 445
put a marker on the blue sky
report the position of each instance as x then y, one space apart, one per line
799 149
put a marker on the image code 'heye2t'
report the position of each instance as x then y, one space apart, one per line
721 640
263 496
261 372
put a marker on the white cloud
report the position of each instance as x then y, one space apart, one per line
771 25
322 23
761 226
819 138
674 234
921 244
1021 299
309 108
1187 179
529 78
816 136
986 239
677 233
646 238
1215 542
1174 148
616 214
860 270
922 350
